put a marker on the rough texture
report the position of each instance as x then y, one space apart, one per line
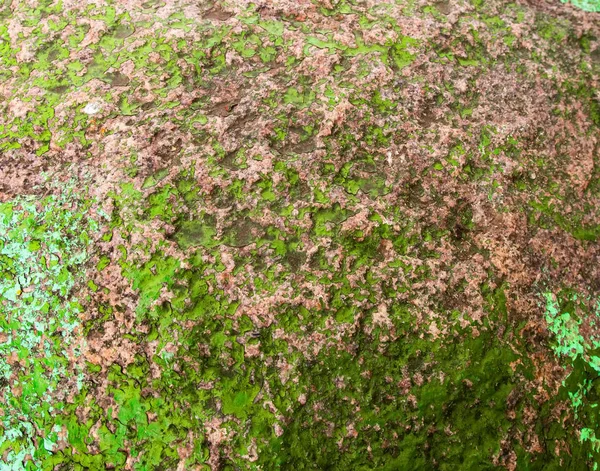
299 235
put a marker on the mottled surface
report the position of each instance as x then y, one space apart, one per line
299 235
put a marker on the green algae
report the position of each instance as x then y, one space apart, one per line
585 5
43 246
581 354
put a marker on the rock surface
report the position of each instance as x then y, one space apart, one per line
327 234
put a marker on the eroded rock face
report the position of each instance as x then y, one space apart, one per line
316 235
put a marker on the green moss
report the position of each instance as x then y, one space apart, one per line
400 53
195 233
